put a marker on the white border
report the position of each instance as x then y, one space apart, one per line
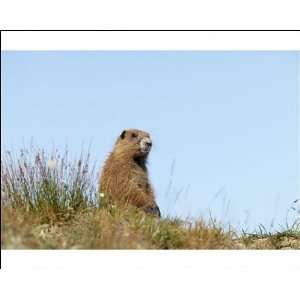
155 14
298 175
150 40
211 260
150 274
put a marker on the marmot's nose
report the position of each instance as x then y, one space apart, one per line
149 144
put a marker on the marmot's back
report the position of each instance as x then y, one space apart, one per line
124 177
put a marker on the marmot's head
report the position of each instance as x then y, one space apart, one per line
134 142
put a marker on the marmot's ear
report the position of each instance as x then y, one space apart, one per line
123 134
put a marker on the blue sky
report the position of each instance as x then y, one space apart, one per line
224 124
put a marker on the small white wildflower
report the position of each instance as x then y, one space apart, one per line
42 234
52 164
101 195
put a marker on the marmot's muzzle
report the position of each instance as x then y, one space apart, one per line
145 145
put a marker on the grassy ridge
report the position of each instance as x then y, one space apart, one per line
50 202
115 228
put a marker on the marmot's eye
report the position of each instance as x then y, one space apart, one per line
134 135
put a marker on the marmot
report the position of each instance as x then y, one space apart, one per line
124 176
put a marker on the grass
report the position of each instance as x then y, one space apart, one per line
51 202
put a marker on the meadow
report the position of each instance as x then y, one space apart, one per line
49 201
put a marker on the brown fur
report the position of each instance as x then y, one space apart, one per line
124 176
